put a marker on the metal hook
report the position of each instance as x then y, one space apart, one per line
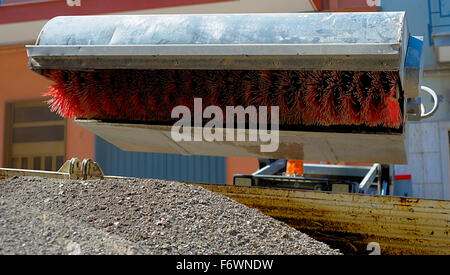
424 115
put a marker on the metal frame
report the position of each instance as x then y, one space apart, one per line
316 175
374 172
71 169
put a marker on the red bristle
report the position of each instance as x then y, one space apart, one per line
248 92
235 82
185 98
199 90
211 95
109 107
55 93
75 90
220 89
155 97
125 90
327 113
371 103
367 110
265 85
134 87
364 99
63 102
284 91
141 96
149 101
380 97
122 94
323 98
138 96
358 94
229 79
350 109
90 98
391 113
169 92
251 92
329 110
216 87
348 100
298 107
57 101
313 92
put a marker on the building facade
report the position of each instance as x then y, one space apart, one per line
428 140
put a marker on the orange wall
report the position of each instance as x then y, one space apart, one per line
18 82
238 165
79 142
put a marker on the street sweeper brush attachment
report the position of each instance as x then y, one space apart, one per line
322 98
345 83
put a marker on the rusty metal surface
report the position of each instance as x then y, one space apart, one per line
11 172
352 221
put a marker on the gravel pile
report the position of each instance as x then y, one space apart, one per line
136 216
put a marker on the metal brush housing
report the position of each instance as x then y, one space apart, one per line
361 41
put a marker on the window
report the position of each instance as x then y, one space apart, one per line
34 137
444 8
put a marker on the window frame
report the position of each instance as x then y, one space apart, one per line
8 128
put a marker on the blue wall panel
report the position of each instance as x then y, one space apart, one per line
116 162
417 16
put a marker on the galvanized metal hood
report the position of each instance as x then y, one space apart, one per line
325 41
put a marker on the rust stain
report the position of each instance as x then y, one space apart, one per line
408 202
400 230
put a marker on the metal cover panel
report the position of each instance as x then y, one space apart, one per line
312 146
237 29
224 39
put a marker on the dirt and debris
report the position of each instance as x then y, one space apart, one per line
137 216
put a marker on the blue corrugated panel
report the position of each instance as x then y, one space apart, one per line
116 162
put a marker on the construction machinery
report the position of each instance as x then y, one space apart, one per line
346 85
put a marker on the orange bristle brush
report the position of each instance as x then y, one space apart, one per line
309 98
